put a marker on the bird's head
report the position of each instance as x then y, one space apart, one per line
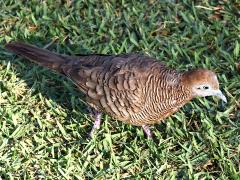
203 83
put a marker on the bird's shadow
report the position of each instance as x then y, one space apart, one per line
56 88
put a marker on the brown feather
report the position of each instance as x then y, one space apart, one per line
238 67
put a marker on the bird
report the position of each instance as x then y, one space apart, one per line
133 88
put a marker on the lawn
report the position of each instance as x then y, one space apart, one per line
44 121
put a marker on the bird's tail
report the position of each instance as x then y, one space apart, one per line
40 56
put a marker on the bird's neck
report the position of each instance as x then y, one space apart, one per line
187 83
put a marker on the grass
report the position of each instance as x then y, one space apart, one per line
43 118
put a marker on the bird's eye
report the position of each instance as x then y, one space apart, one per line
205 87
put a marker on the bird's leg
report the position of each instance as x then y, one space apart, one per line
97 122
147 131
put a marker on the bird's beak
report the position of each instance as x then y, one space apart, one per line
219 94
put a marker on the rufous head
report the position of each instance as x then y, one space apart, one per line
203 83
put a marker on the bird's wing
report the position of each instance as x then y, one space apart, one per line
114 84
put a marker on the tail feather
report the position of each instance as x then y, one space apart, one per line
40 56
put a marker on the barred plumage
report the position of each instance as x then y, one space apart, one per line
131 88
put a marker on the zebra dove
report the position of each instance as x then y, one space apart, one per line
132 88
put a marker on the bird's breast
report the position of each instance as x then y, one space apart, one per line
160 105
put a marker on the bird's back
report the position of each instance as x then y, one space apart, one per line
133 88
117 85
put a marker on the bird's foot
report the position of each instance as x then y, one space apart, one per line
97 122
147 131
